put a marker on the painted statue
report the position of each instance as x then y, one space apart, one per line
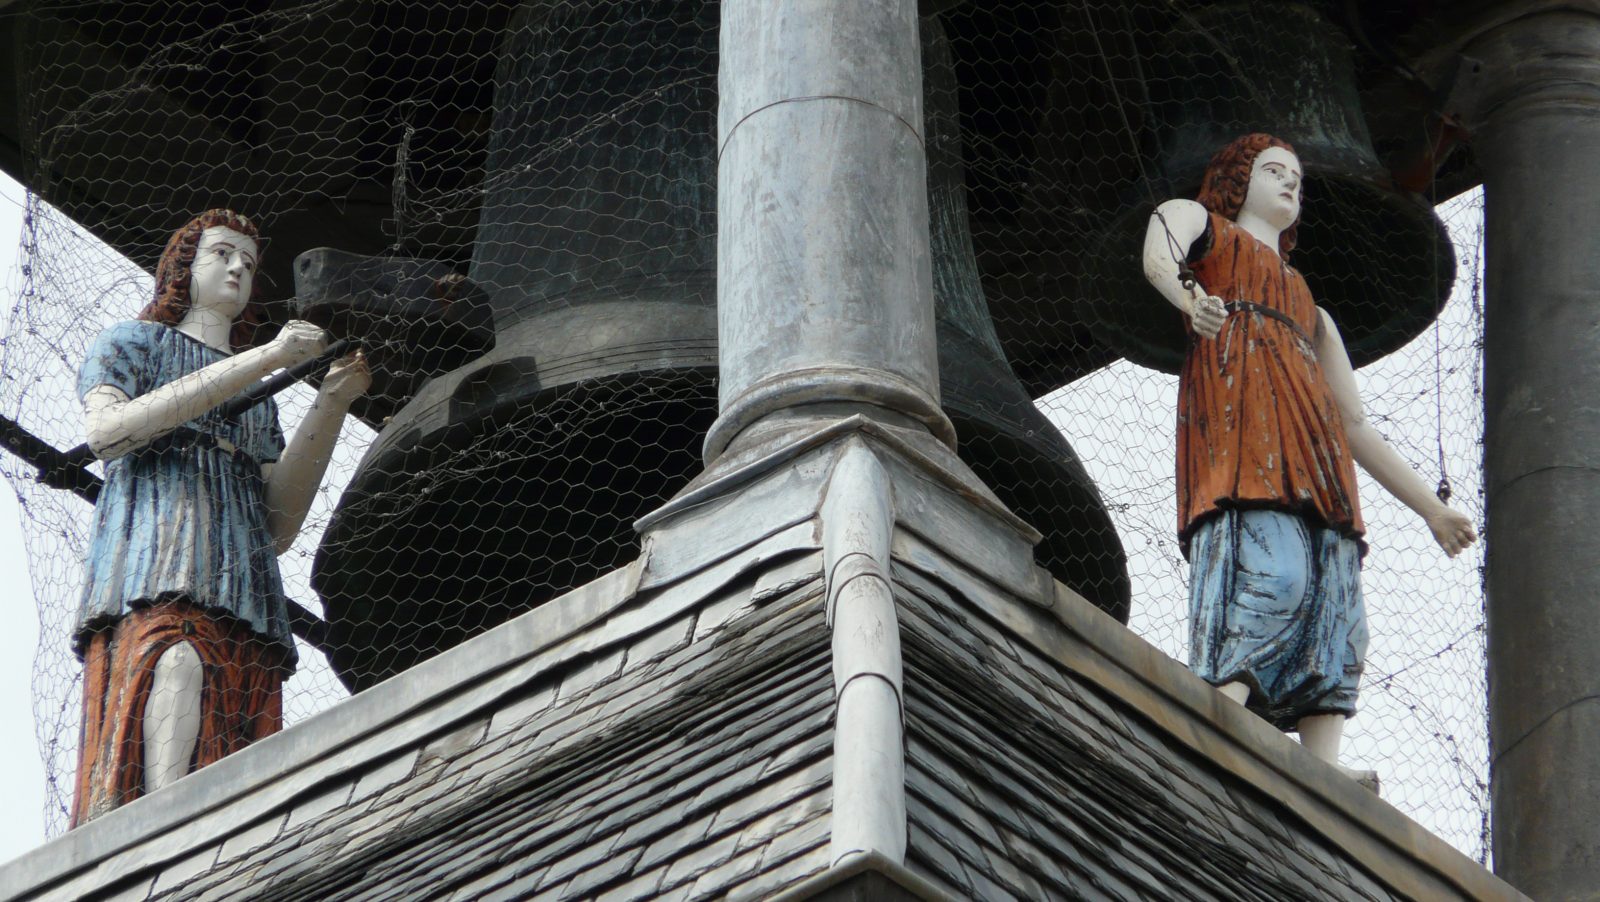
1269 429
183 624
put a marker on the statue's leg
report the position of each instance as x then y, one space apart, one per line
172 716
1339 591
1247 587
1321 734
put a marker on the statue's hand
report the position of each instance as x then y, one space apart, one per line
348 379
1452 530
298 341
1207 314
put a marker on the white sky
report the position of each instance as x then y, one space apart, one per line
21 771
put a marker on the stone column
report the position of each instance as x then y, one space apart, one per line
1538 141
824 281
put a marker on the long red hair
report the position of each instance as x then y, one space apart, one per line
171 302
1227 179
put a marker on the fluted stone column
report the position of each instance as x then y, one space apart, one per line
1537 138
824 281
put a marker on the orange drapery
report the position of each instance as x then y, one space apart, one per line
241 698
1258 426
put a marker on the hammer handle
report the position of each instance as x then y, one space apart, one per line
255 394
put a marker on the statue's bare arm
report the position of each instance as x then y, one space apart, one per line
1173 229
118 424
1451 528
292 482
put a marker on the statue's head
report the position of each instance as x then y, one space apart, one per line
1226 187
198 258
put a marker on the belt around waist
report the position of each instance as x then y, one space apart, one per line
183 438
1269 313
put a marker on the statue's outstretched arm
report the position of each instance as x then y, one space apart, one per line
1450 527
292 482
1174 226
117 424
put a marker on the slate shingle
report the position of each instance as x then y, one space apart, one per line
675 769
1111 809
584 884
643 886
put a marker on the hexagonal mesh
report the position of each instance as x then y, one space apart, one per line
522 201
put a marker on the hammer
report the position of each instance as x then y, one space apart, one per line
414 318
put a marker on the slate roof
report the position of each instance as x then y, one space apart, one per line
666 732
606 743
663 767
1027 782
1053 754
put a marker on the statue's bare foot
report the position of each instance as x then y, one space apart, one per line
1367 778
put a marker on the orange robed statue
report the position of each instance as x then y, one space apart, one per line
1269 429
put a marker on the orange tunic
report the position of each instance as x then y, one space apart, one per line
1258 426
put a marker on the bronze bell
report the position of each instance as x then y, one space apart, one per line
1003 436
1376 256
517 477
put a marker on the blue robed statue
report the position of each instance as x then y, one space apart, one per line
183 624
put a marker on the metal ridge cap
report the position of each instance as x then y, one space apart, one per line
860 863
712 483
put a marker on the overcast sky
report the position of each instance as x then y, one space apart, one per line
21 771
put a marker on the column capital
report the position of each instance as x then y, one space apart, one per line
1540 60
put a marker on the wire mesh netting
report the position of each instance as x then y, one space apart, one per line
520 199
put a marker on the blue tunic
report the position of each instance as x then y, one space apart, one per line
188 522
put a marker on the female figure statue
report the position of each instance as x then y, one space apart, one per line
183 624
1269 427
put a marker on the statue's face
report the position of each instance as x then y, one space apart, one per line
224 269
1274 193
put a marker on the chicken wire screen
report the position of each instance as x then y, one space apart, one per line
521 198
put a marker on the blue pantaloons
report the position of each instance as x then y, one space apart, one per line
1275 604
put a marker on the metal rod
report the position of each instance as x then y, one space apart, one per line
282 379
56 469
